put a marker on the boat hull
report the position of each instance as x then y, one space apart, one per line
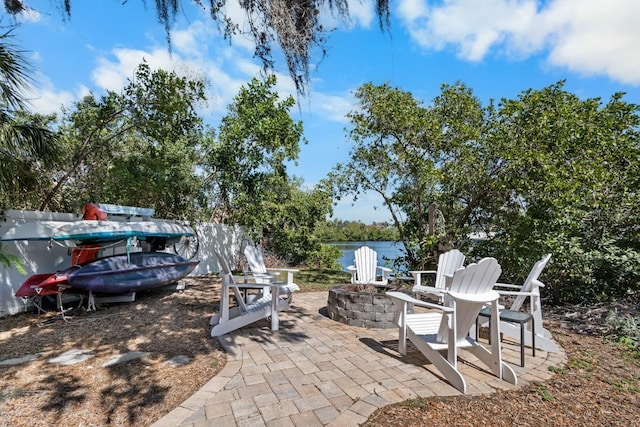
96 231
40 285
137 271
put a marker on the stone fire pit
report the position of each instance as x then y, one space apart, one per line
362 305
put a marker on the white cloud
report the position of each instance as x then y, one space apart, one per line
46 99
473 26
197 50
599 37
30 15
239 17
331 107
589 37
190 41
361 14
113 74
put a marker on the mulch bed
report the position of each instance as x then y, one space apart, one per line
165 324
599 386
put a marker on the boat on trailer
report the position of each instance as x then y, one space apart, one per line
120 274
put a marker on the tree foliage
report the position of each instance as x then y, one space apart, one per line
255 139
546 172
140 147
248 178
577 188
147 146
293 25
26 143
345 231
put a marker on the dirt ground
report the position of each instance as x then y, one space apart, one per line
599 386
164 324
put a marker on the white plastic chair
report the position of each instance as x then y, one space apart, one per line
448 263
529 289
439 334
262 274
266 304
365 268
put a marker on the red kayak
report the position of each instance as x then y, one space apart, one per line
44 284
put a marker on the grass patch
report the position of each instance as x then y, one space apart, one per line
544 392
557 369
577 363
629 384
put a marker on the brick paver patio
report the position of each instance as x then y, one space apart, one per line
318 372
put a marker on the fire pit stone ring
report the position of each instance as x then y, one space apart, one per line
363 305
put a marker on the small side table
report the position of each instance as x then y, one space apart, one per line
512 316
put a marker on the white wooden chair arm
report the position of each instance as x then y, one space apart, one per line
530 294
260 276
507 285
535 283
248 285
253 285
414 272
251 279
427 290
289 271
485 297
538 283
385 269
411 300
292 270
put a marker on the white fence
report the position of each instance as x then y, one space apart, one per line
48 257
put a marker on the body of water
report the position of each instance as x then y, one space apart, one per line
388 249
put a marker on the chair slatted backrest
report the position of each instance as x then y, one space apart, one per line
255 260
478 279
529 285
366 262
227 282
448 263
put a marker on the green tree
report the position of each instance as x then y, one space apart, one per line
255 140
546 172
26 143
248 180
292 226
26 171
402 151
141 147
576 192
342 231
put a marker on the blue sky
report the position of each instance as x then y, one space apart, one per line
499 48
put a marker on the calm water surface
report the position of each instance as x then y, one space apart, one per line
388 249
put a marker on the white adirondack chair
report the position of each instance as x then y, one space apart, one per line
447 329
245 312
529 289
448 263
262 274
365 268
